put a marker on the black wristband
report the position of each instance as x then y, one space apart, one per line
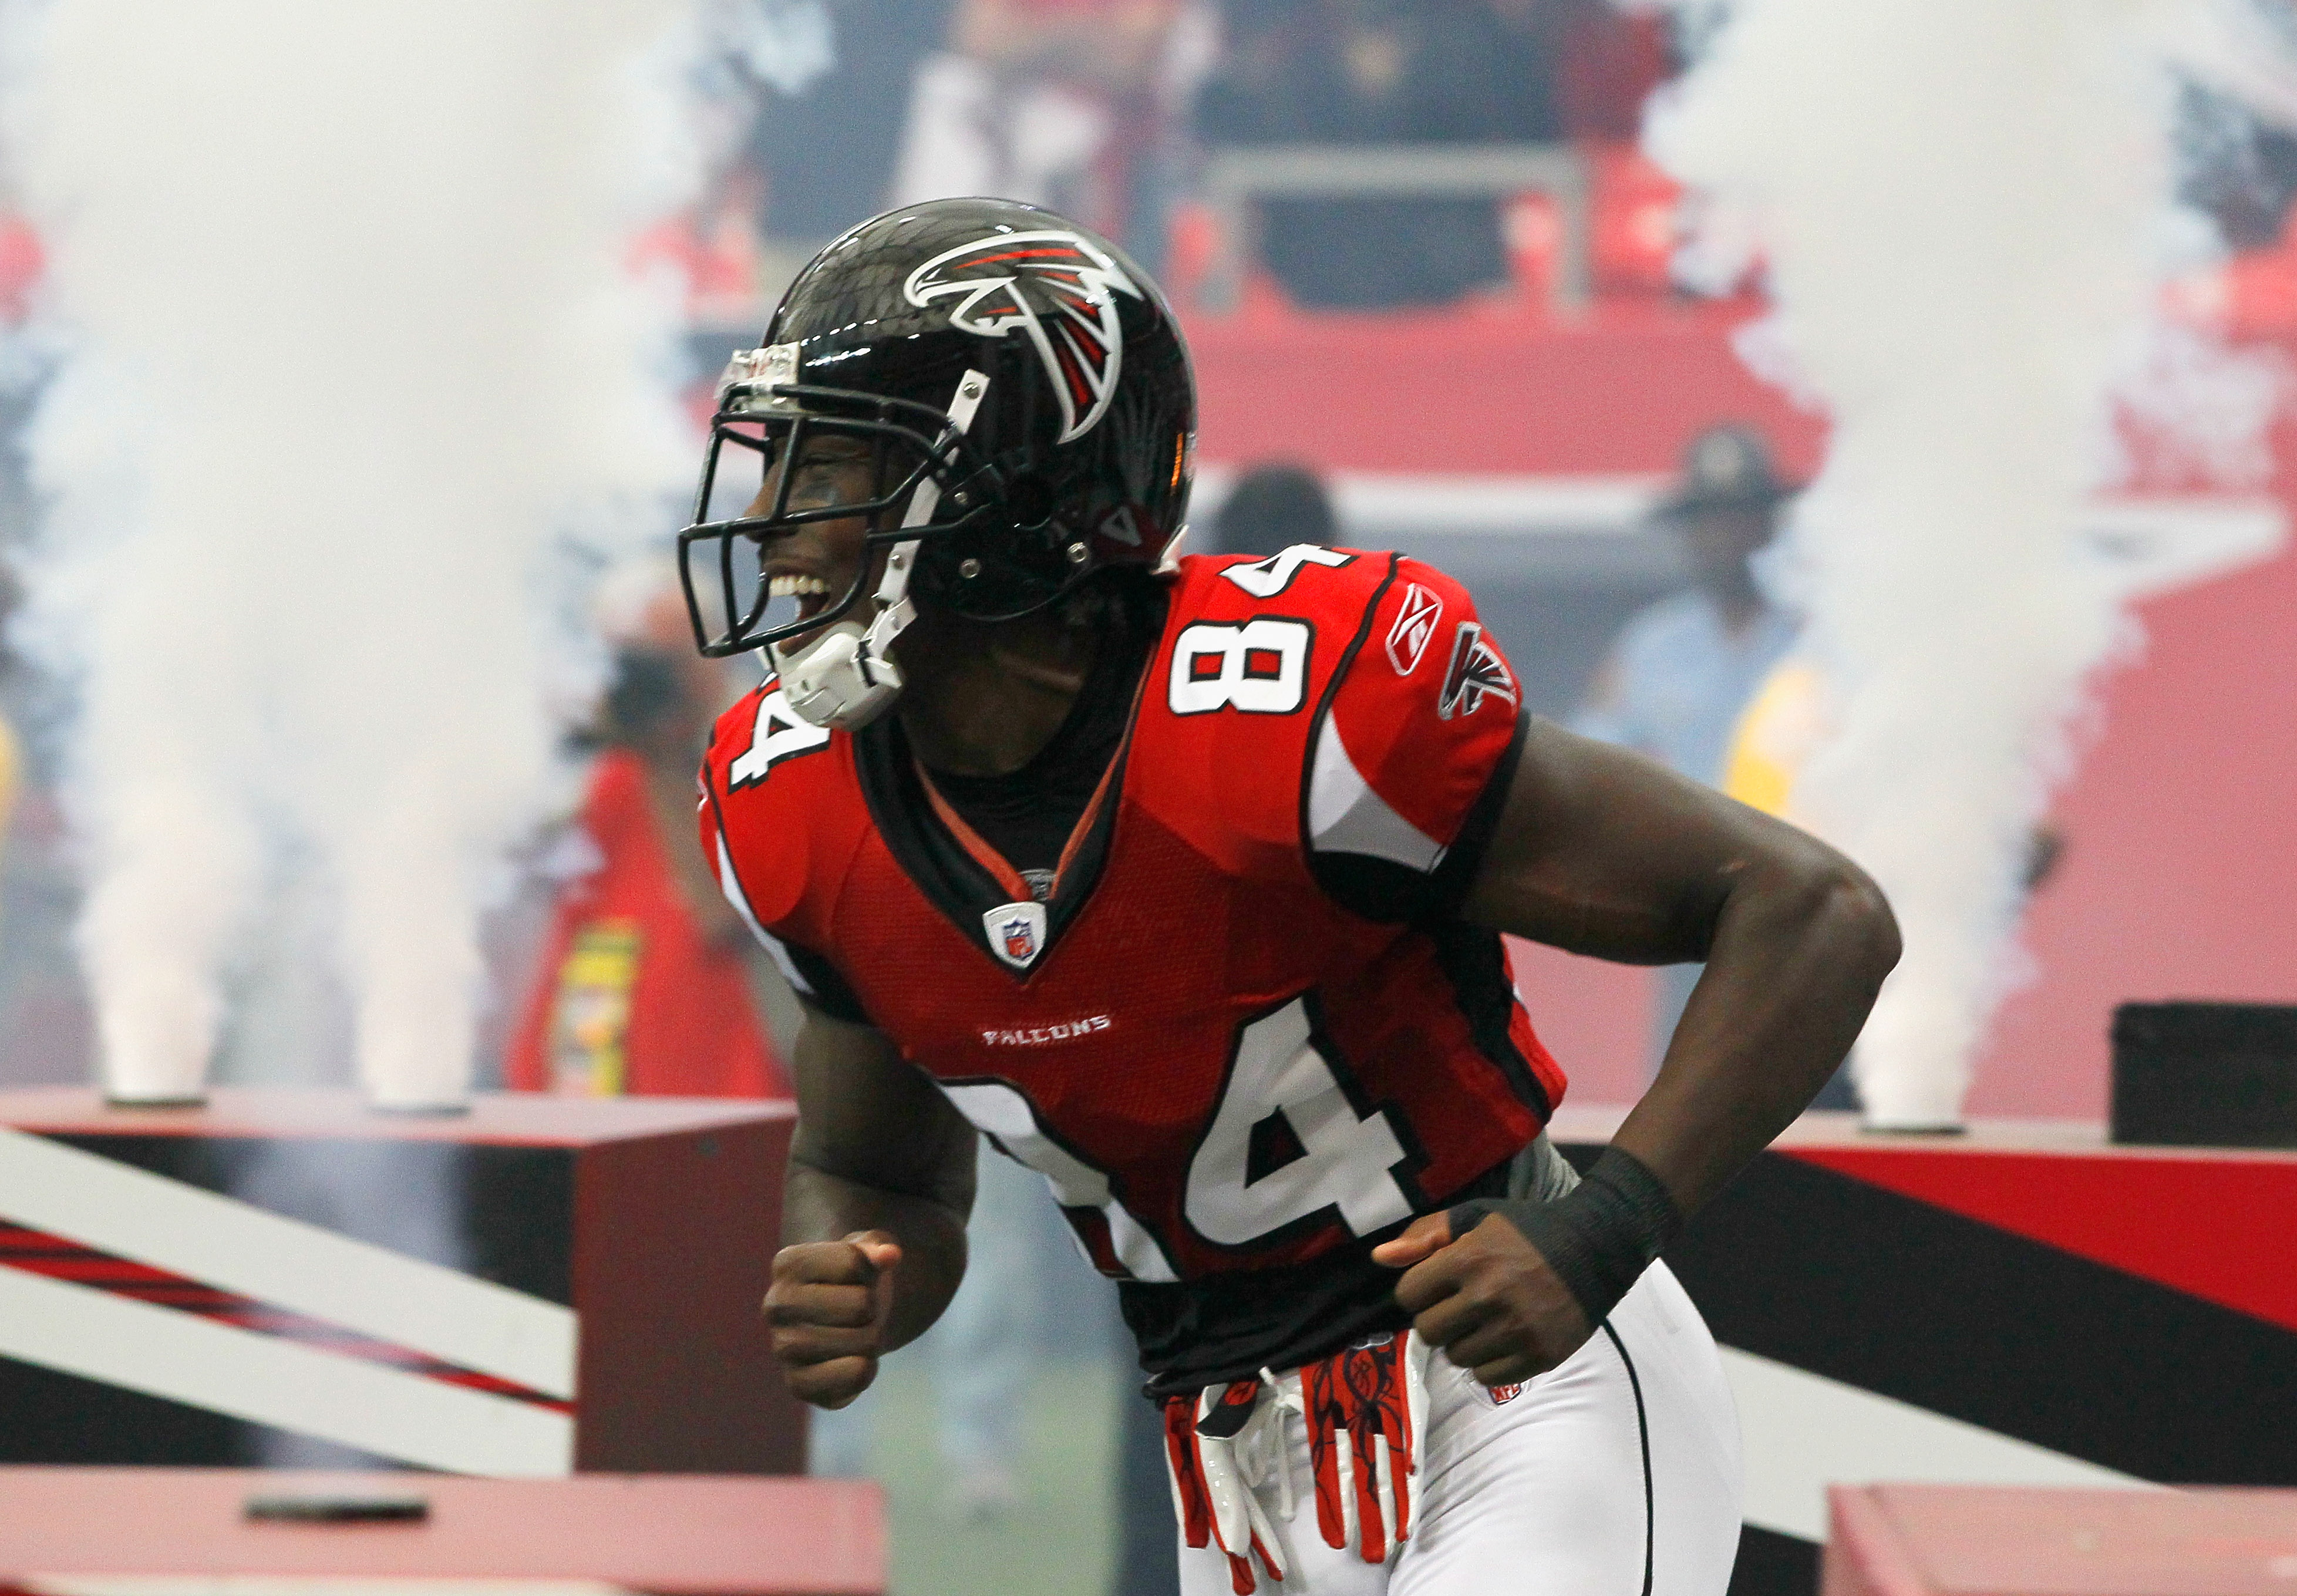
1599 1237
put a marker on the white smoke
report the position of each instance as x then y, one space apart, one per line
1961 207
356 378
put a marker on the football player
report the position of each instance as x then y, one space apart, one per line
1183 880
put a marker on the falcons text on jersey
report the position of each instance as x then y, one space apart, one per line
1243 1036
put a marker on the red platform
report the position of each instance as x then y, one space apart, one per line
538 1285
1958 1541
64 1530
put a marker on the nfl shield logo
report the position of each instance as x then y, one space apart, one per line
1017 932
1505 1394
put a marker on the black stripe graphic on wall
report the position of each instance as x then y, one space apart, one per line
513 1203
53 1417
1830 1274
1773 1565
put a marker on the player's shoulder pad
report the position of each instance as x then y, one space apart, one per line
1328 582
1411 748
768 787
1250 648
760 735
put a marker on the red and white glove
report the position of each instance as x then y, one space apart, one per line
1366 1412
1212 1496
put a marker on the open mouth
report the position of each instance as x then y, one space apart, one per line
811 592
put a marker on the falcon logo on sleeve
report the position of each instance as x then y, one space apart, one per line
1476 669
1055 286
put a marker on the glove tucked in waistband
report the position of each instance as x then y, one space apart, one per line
1365 1412
1211 1495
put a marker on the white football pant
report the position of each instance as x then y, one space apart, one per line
1616 1474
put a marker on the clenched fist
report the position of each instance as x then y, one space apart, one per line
1488 1300
828 1306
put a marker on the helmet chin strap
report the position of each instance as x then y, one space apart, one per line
844 675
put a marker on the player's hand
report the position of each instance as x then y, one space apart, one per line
1488 1301
828 1307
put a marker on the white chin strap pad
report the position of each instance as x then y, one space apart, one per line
845 676
837 680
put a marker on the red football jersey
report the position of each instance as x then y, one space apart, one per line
1244 1035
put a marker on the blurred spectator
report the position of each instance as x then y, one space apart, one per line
826 151
1271 508
2238 169
649 983
1605 61
1683 668
712 249
11 771
1055 101
988 1343
21 261
1785 718
1383 72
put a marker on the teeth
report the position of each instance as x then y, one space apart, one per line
788 586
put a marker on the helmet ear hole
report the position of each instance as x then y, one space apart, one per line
992 569
1030 499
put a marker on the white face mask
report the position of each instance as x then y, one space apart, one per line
844 676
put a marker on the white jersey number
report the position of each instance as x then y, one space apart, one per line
1260 667
779 735
998 1110
1340 1160
1266 579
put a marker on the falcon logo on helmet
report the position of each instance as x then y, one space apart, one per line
1476 671
1056 287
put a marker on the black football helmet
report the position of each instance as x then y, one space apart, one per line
1075 454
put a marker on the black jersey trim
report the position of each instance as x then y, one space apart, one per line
830 992
1474 961
1642 1437
1455 873
1369 887
955 883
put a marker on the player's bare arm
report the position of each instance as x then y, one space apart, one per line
880 1185
881 1172
1601 852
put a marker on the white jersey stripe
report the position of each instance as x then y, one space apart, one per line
731 885
1346 816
